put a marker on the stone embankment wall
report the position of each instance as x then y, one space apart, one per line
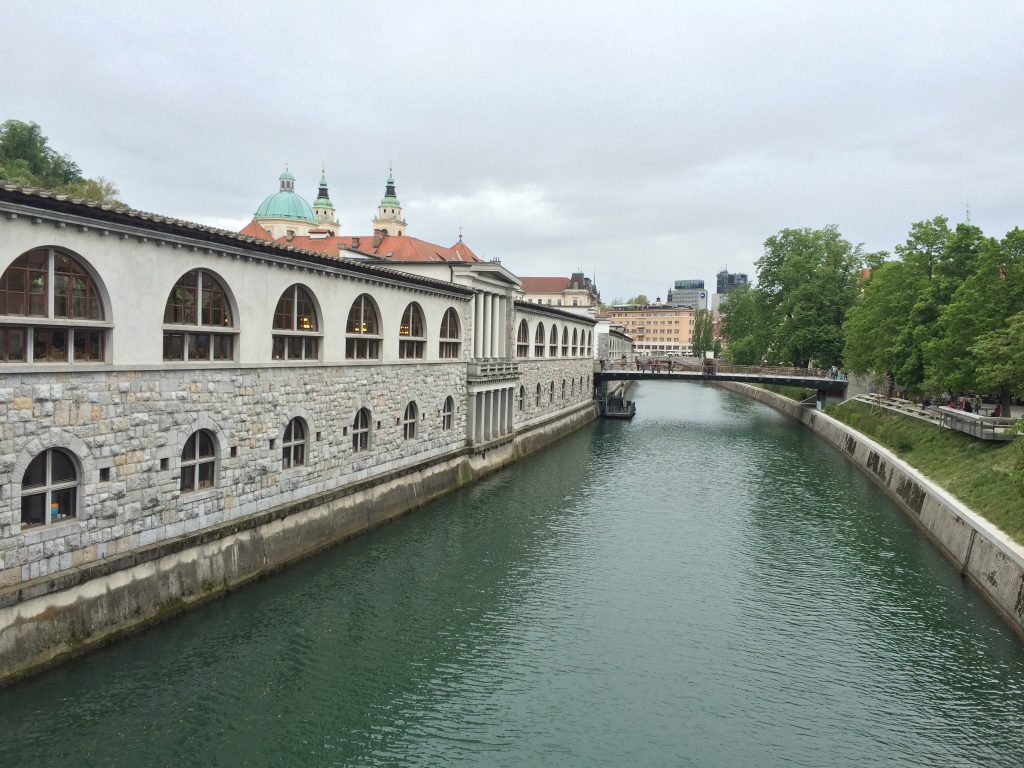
986 556
79 608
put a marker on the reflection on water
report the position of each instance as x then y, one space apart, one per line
707 585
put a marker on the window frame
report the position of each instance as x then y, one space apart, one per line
48 487
449 345
188 337
290 342
448 413
294 449
412 339
362 432
410 418
82 338
362 344
539 341
199 462
523 339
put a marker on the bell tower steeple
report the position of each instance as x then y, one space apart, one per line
389 212
322 206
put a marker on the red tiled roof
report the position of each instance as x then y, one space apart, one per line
544 284
387 247
257 230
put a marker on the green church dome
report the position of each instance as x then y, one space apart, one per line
286 204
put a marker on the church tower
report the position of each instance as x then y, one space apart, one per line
323 207
389 213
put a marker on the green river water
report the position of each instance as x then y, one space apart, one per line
708 585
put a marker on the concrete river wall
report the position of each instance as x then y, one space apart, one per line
78 609
986 556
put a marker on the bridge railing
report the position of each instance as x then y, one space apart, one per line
695 365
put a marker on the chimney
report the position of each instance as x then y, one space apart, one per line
378 237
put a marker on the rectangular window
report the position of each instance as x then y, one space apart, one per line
206 474
13 344
222 347
311 347
88 345
50 345
174 346
294 347
277 348
198 346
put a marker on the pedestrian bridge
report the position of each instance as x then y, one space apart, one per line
827 388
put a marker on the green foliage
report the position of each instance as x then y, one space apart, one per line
746 325
640 299
702 338
26 158
806 282
984 475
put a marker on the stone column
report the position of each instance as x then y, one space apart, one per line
495 337
502 408
471 419
485 327
511 414
478 325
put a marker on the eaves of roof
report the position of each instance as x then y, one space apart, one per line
41 199
544 309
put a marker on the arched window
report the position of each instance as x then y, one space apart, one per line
361 431
199 303
296 329
49 488
27 291
521 399
447 413
551 393
575 346
411 341
565 341
523 340
553 345
451 335
590 344
572 387
199 462
563 388
293 447
536 401
362 331
409 421
538 341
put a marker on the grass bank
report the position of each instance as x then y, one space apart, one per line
983 475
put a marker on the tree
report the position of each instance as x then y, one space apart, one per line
640 300
702 337
1000 356
26 158
809 280
989 280
873 324
746 326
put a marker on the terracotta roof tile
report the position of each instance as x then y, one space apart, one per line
256 230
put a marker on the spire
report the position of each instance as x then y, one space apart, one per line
322 206
389 212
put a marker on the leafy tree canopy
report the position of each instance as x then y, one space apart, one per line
27 158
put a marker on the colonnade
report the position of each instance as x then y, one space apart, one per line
490 311
490 414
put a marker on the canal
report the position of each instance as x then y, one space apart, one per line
708 585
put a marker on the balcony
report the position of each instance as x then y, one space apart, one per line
492 370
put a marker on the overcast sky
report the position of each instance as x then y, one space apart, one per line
640 142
